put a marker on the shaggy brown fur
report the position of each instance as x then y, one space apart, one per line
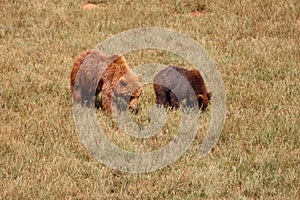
174 84
93 72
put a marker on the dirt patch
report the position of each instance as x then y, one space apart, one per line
90 6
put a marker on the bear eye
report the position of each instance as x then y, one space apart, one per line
76 87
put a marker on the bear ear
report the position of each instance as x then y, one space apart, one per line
139 76
209 95
122 81
118 59
200 97
114 57
194 72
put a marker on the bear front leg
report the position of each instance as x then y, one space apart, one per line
106 103
174 101
109 104
98 101
114 105
191 100
161 97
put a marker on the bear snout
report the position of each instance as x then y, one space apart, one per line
134 105
203 100
134 110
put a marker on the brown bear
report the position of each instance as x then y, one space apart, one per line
93 72
174 84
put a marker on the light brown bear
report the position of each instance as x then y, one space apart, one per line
93 72
174 84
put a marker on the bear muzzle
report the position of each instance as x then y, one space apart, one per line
134 105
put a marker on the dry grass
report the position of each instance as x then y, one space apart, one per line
256 47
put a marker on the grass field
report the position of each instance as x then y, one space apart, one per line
256 48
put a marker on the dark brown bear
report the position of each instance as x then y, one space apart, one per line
174 84
93 72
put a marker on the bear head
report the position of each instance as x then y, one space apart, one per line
129 87
203 97
203 100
